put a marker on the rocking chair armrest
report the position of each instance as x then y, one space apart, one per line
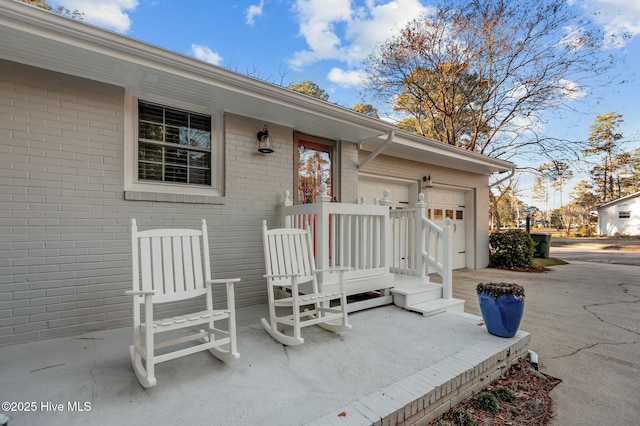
340 269
282 275
293 283
228 281
140 292
224 280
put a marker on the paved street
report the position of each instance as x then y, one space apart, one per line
594 254
584 318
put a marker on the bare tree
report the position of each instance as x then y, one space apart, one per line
504 205
540 193
557 173
480 74
584 201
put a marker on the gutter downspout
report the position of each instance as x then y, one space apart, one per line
378 151
510 175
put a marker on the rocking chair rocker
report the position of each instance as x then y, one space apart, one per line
289 265
169 266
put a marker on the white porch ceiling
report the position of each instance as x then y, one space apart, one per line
46 40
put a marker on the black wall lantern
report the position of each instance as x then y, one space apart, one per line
264 141
427 181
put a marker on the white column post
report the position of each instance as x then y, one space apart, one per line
385 198
288 223
447 248
387 234
322 231
420 235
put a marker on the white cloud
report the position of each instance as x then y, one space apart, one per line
111 14
571 90
333 29
616 17
205 54
345 78
254 11
317 20
378 23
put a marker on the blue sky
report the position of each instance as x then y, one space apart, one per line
325 41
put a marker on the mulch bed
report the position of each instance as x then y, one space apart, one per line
531 406
522 269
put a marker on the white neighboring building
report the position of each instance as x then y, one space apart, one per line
620 217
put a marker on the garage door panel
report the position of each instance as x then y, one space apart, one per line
372 189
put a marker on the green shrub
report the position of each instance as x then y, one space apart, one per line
442 423
511 249
464 418
505 394
488 402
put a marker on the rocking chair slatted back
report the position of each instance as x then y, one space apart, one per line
288 252
174 263
289 263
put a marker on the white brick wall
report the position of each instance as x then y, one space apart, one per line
349 166
64 222
62 255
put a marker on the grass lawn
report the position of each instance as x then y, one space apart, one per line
551 261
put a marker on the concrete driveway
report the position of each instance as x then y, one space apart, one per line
585 323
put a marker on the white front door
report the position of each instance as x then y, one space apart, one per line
442 204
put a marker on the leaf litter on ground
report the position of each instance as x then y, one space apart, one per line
532 405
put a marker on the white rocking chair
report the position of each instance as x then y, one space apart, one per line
290 263
169 266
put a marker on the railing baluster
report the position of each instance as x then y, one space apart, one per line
370 237
334 240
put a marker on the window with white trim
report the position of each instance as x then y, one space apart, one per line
624 215
173 151
173 145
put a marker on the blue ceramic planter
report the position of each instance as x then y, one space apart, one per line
502 315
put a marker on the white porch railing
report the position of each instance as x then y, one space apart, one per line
345 235
373 241
419 245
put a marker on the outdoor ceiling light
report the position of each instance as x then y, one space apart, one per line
264 141
427 180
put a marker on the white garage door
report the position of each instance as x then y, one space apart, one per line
372 188
442 204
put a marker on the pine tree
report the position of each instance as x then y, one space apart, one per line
603 142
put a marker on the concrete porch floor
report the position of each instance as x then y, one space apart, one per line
391 367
